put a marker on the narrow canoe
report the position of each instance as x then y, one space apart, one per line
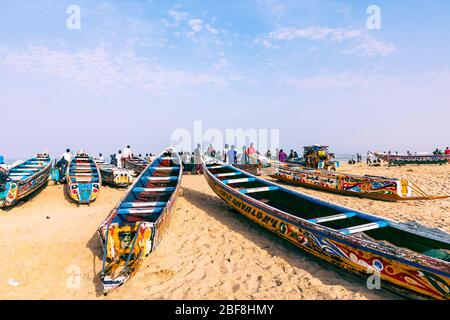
414 159
136 226
372 187
138 165
410 259
24 179
83 179
114 176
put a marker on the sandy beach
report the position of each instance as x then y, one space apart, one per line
210 252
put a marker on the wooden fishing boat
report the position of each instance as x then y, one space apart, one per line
136 226
24 179
413 159
83 179
373 187
138 165
410 259
114 176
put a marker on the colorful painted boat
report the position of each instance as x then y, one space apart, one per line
373 187
114 176
410 259
83 179
138 165
136 226
413 159
24 179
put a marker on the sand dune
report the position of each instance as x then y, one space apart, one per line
210 252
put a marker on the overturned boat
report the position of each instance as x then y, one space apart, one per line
83 179
136 226
25 179
410 259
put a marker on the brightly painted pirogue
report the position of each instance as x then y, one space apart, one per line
373 187
24 179
83 179
114 176
411 259
136 226
413 159
138 165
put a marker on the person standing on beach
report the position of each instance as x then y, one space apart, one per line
282 157
251 151
120 160
268 154
231 156
369 161
198 159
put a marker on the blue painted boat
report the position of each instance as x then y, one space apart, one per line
24 179
407 258
136 226
83 179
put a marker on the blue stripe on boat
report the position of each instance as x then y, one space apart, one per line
142 204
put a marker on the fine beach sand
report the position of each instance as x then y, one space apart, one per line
210 252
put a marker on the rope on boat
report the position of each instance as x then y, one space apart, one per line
105 249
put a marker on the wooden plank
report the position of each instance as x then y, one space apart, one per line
232 181
229 174
365 227
168 189
143 204
255 190
334 217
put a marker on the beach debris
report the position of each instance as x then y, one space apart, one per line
13 283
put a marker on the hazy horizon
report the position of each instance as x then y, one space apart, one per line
137 71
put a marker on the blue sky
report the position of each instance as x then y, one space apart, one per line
138 70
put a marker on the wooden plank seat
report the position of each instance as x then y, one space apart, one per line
261 189
229 174
242 180
365 227
170 178
143 204
140 189
334 217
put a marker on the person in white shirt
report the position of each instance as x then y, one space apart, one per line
67 156
100 158
127 153
120 160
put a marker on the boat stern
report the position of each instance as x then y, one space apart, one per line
84 193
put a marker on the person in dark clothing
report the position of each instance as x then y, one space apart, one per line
61 165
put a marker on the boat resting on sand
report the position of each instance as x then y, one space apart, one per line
136 226
373 187
83 179
24 179
114 176
413 159
138 165
411 259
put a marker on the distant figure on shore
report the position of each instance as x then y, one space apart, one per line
2 160
100 158
251 151
120 160
244 157
295 155
282 156
225 152
291 155
198 159
127 154
232 155
113 160
369 161
447 151
67 155
277 154
268 154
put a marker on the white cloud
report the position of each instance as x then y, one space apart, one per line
362 42
178 15
101 71
222 64
196 25
211 29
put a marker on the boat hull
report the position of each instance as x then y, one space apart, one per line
83 180
15 191
356 256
